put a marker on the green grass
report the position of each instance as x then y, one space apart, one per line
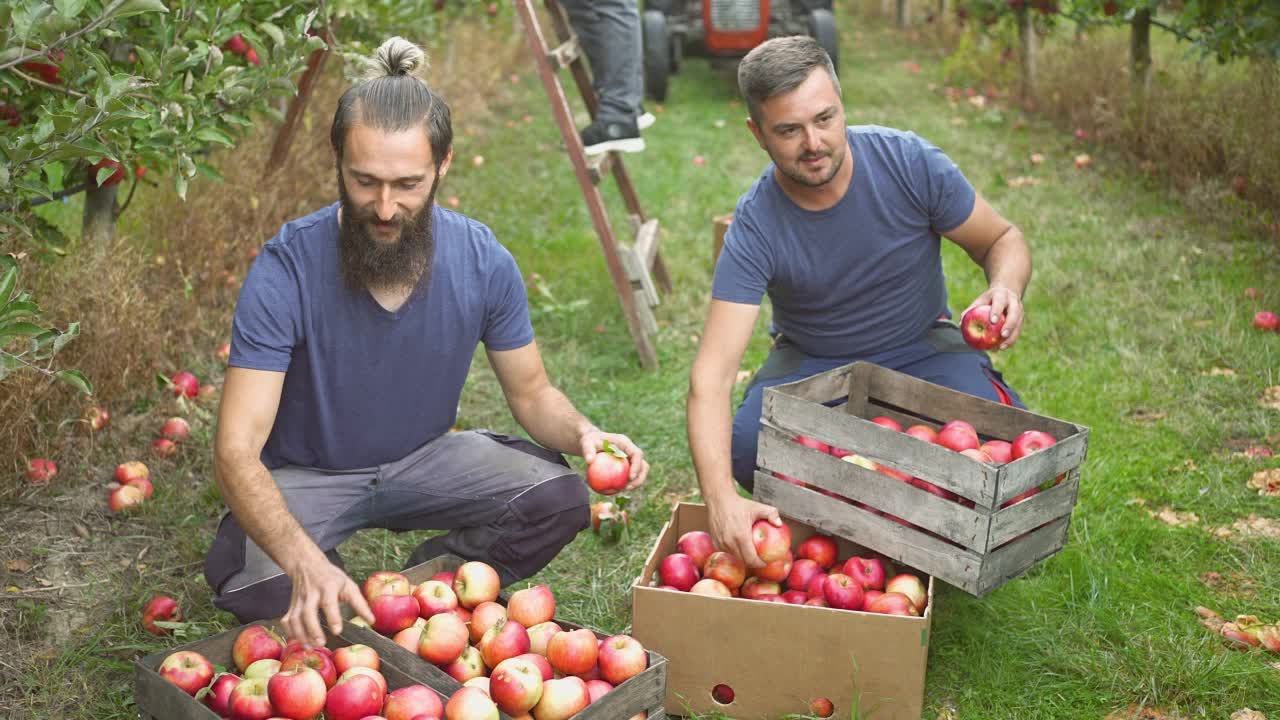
1133 300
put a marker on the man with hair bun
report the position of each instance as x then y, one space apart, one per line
352 339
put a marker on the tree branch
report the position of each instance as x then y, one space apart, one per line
107 12
47 86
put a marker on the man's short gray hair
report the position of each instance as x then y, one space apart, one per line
779 66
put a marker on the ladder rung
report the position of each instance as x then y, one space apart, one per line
565 54
599 165
646 246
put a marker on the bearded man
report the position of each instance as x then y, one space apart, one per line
352 339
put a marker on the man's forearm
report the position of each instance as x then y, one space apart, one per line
1008 262
553 421
710 429
255 500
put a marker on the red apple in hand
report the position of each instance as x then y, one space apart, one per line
772 542
978 329
162 608
609 470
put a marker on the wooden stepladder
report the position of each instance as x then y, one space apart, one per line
633 266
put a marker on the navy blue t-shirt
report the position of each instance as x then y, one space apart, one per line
364 386
864 275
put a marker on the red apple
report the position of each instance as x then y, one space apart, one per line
811 443
445 576
961 425
379 679
540 635
393 613
476 582
562 699
128 471
979 331
506 639
1266 320
484 616
386 582
777 571
187 669
412 701
543 664
252 57
867 572
98 418
1020 497
532 605
817 601
354 697
870 595
821 549
468 665
176 429
236 45
143 484
357 655
908 585
999 451
795 597
621 657
434 597
470 703
892 603
923 432
821 707
184 383
573 651
597 689
816 585
41 470
772 542
842 592
125 497
958 439
678 571
163 447
609 471
711 586
249 700
887 422
1029 442
726 568
515 685
106 164
753 587
297 693
698 545
219 695
318 659
443 639
164 609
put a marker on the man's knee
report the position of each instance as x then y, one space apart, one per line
264 600
542 520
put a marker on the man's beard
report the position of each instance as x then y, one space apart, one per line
370 263
799 177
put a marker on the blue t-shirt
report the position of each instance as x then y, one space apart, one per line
865 275
364 386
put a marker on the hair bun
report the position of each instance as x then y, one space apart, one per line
398 56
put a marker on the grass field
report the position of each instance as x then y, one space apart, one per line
1138 327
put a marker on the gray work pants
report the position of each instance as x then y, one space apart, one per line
609 31
504 500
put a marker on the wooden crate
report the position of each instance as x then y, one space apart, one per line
643 693
159 699
976 549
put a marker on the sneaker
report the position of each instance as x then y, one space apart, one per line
645 120
599 138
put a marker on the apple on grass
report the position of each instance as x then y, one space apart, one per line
357 655
475 582
219 695
354 697
980 329
297 693
434 597
443 639
772 542
506 639
574 651
1267 321
125 497
609 471
412 701
187 669
176 429
679 571
466 666
97 417
621 657
125 472
249 700
163 447
515 685
562 699
185 383
698 545
532 605
162 608
821 549
470 703
484 616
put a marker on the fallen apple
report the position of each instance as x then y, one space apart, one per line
125 497
41 470
97 417
176 429
163 447
162 608
185 383
1267 320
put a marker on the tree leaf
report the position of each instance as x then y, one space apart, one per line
14 329
9 279
270 29
137 7
69 9
75 379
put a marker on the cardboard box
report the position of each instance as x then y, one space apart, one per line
159 699
976 548
777 658
642 693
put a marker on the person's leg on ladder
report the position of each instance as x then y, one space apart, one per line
609 31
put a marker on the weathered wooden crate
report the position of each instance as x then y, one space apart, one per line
643 693
159 699
976 549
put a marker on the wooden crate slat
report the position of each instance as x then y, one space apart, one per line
932 556
820 388
1039 467
1017 557
945 517
1014 520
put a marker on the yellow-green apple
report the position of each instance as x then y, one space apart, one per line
869 573
254 643
187 669
908 585
842 592
434 597
979 330
163 447
772 542
1266 320
532 605
777 570
794 597
542 663
481 683
515 685
609 470
297 694
809 442
476 582
354 697
98 417
467 665
410 637
727 568
803 572
184 383
356 655
176 429
412 701
922 432
711 586
562 699
249 700
573 651
999 451
162 608
130 471
753 587
822 549
621 657
678 571
892 603
597 689
821 707
698 545
219 695
125 497
264 668
887 422
321 662
957 438
506 639
443 639
386 582
470 703
722 694
484 616
393 613
540 635
378 678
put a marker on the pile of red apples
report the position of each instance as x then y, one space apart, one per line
514 654
810 574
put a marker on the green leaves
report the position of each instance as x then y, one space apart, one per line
17 311
137 7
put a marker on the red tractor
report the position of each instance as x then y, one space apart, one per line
725 29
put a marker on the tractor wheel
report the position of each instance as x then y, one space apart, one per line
657 54
822 26
677 52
